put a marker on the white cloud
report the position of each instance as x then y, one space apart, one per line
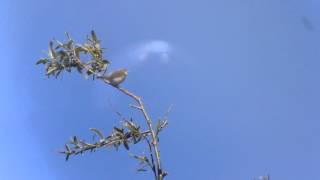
134 56
159 48
137 54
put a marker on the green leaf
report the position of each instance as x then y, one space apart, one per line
141 158
97 132
141 170
105 61
68 148
90 71
52 54
75 140
42 61
118 130
51 70
68 36
80 49
58 72
60 44
94 36
132 127
126 145
84 143
69 44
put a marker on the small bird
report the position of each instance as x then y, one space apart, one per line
116 77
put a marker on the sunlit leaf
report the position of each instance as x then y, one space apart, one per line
60 44
51 70
97 132
52 54
141 158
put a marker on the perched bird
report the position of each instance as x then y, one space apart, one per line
116 77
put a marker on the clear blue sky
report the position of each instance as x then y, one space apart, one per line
243 77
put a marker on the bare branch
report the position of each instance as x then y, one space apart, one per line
151 157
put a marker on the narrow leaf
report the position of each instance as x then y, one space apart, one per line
94 36
97 132
42 61
52 53
126 145
75 139
68 149
118 130
67 157
141 170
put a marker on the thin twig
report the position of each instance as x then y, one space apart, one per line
167 112
135 106
151 156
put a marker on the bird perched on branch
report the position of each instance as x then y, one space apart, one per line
116 77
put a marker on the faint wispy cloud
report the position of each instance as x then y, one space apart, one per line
133 56
143 51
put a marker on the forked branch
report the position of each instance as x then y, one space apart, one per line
67 56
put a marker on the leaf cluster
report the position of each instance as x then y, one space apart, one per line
87 59
128 133
65 56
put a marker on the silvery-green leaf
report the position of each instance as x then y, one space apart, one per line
67 148
60 44
51 52
51 70
97 132
42 61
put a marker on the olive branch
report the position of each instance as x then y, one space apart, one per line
87 59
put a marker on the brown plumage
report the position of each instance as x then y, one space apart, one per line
115 77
